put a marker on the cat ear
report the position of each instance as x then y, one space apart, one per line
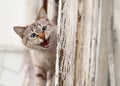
42 14
19 30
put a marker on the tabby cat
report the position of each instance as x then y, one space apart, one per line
40 38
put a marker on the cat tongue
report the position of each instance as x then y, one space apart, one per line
45 44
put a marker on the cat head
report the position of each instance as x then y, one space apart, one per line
40 34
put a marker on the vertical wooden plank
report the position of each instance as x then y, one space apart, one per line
103 46
53 10
109 28
67 25
83 59
102 58
79 44
86 48
116 40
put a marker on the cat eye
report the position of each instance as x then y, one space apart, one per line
33 35
44 28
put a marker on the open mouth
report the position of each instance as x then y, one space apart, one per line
45 43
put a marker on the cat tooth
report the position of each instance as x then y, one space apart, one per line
41 41
46 35
46 46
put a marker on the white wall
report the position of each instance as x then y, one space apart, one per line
12 12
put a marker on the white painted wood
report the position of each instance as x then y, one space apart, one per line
66 42
82 52
87 33
53 10
116 40
104 53
111 63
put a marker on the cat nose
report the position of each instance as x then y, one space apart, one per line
41 35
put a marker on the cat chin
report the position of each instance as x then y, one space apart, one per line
38 47
42 48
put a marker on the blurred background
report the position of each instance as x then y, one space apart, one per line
12 51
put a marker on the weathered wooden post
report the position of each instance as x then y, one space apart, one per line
82 52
